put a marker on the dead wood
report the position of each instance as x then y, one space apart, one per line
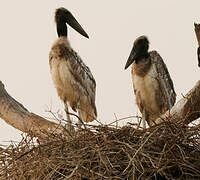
16 115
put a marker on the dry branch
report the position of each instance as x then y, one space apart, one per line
16 115
165 151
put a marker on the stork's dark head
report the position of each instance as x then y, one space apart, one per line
139 50
63 16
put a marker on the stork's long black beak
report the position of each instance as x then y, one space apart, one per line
70 19
131 58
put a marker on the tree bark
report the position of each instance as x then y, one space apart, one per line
15 114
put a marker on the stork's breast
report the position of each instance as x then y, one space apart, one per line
62 78
147 88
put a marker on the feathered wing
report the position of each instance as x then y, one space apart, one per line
85 80
164 80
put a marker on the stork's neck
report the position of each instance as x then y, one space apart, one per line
142 67
61 29
141 56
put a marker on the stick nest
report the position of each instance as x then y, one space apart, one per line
166 151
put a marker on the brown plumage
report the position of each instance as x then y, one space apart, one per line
152 83
72 78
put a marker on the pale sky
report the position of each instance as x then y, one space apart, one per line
28 31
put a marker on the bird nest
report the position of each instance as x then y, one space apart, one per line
165 151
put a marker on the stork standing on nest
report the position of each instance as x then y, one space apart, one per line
152 83
73 80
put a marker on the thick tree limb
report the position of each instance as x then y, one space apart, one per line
20 118
187 109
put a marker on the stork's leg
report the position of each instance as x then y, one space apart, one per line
70 127
80 122
144 119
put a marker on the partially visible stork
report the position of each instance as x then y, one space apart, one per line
197 31
73 80
152 83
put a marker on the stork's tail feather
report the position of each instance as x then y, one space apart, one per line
89 114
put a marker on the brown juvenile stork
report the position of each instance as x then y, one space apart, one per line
73 80
152 83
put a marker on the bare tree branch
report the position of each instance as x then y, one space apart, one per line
15 114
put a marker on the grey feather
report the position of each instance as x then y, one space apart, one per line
165 81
